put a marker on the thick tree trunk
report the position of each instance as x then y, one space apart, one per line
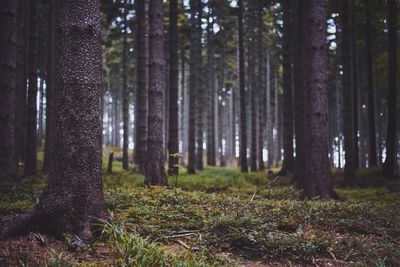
372 155
288 166
141 87
125 92
211 160
74 195
193 88
8 75
50 86
391 154
155 172
348 116
173 127
317 182
242 98
31 113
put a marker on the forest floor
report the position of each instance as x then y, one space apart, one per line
209 221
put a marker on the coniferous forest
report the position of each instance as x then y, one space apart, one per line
199 133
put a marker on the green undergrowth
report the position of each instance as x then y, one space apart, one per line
208 220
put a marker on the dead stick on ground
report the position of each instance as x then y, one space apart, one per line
243 209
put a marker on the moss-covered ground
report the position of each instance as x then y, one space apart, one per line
205 222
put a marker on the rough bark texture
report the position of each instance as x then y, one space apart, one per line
31 119
173 127
8 75
211 153
348 116
141 87
390 163
288 166
125 93
74 195
318 182
193 87
242 90
155 173
372 154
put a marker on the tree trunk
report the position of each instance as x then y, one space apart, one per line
288 159
269 118
348 116
391 154
110 163
372 155
155 173
116 142
354 85
40 122
211 160
141 87
8 75
74 195
173 141
50 86
30 145
317 182
193 88
125 92
242 97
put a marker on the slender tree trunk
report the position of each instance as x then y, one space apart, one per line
253 102
348 116
74 194
288 165
211 160
50 86
372 155
269 121
141 93
40 134
155 173
116 112
173 141
8 75
391 154
183 106
30 146
193 87
354 85
317 182
125 92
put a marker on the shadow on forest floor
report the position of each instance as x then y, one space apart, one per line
198 224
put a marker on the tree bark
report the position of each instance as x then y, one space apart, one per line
125 92
391 154
8 75
155 173
173 141
348 116
141 104
317 182
288 165
242 89
31 113
74 195
372 154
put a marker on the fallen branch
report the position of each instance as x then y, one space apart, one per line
243 209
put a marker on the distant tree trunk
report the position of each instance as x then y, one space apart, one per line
141 87
391 154
242 98
74 196
269 121
372 155
221 109
211 160
155 173
354 85
40 122
183 106
30 145
200 92
253 103
8 86
125 92
299 89
110 163
317 182
50 85
193 87
288 166
116 113
260 55
173 141
348 116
